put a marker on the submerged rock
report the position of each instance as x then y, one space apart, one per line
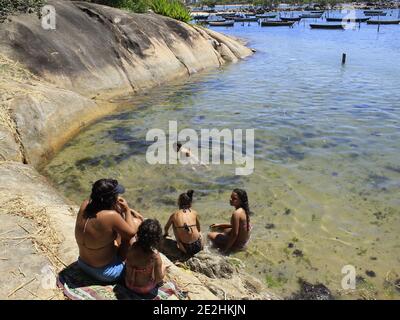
310 291
224 276
213 266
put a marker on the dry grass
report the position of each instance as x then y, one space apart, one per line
13 80
45 239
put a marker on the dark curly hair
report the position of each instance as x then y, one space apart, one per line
185 200
103 197
244 204
149 234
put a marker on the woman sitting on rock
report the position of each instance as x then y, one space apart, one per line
100 221
235 235
144 267
186 225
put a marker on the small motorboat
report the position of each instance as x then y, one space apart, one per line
276 23
327 26
348 20
311 15
225 23
375 13
266 16
245 19
319 12
200 17
290 18
383 22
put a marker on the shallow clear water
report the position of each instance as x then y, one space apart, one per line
327 170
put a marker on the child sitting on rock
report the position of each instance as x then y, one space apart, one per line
144 267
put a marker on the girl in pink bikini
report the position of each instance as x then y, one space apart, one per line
144 267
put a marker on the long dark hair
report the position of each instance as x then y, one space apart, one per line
149 234
103 197
185 200
244 204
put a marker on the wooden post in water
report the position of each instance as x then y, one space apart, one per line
379 23
343 58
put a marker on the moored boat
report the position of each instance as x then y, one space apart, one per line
375 14
276 23
326 25
311 15
383 22
290 18
266 16
344 19
245 19
226 23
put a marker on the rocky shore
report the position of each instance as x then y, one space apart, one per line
55 82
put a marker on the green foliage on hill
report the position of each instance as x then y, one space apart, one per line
170 8
10 7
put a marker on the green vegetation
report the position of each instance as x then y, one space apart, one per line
170 8
274 282
9 7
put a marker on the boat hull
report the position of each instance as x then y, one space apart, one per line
246 19
383 22
277 23
326 26
375 14
311 16
221 23
347 20
290 18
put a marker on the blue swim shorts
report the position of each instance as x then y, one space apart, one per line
110 273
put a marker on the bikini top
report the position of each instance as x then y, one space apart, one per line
84 231
185 226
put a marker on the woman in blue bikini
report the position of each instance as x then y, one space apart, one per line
104 228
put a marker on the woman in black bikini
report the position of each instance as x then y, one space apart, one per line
186 225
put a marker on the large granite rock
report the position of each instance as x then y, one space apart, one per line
93 49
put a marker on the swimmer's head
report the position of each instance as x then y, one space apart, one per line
177 146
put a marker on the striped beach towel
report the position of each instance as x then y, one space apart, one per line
77 285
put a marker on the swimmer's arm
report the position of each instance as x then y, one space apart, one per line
234 232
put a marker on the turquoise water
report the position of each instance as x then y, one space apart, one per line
327 141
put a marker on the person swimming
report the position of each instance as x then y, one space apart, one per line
187 154
144 267
236 234
186 225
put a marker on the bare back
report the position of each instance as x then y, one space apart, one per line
141 266
95 237
190 218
